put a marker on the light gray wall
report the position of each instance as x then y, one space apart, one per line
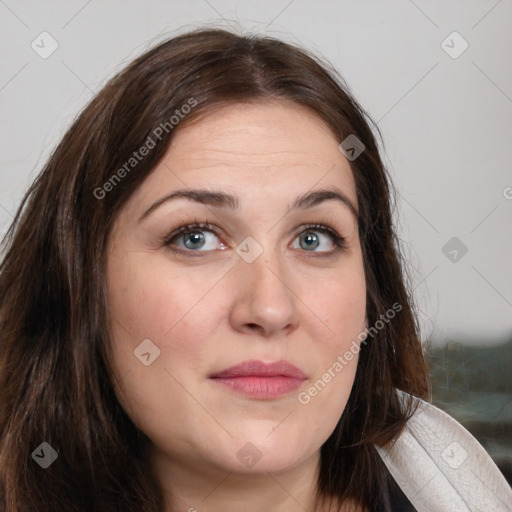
446 121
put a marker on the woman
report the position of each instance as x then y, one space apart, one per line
203 304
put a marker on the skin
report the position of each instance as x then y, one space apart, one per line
211 312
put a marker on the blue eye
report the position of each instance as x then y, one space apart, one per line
195 239
319 236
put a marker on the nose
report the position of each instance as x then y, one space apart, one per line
265 302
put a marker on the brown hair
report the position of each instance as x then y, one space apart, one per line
55 359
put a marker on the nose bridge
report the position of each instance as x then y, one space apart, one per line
265 298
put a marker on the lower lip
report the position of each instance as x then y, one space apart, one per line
261 387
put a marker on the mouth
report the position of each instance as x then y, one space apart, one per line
259 380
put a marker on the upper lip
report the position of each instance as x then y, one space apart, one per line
256 368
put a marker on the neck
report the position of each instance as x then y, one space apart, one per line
194 487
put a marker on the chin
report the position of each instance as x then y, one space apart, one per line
266 462
264 451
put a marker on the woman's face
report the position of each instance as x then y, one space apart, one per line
258 284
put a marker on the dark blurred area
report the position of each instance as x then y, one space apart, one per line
474 385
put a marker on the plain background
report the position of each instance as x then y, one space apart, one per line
446 121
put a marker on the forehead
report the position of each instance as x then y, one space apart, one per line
276 148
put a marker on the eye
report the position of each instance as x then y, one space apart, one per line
197 237
319 236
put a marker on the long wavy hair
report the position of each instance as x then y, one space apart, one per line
55 348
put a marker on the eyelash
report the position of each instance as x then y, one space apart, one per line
338 240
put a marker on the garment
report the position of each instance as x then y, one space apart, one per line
441 467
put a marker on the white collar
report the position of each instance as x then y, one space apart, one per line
441 467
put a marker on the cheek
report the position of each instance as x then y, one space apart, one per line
149 297
150 300
341 303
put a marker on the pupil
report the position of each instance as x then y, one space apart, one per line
192 238
310 238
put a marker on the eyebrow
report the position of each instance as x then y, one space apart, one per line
223 200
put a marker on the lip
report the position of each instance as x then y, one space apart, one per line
260 380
